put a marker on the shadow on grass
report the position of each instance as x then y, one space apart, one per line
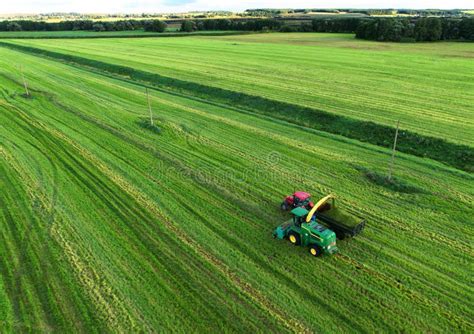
394 184
145 124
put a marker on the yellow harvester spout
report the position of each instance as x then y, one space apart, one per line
315 208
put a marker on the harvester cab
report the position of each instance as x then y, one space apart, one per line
299 215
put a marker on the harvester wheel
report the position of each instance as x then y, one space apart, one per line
315 250
294 238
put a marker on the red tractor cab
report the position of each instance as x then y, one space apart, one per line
299 199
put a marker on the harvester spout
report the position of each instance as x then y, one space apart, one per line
315 208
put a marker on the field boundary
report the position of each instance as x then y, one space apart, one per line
455 155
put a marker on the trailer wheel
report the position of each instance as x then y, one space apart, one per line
294 238
315 250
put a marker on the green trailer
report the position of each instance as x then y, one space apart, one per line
342 222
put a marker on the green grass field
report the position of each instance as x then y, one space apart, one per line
107 226
428 87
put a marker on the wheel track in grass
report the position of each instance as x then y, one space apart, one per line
117 200
120 134
153 151
419 282
387 227
48 308
110 194
418 261
466 325
246 288
44 308
14 279
421 233
53 153
201 217
86 274
223 268
395 260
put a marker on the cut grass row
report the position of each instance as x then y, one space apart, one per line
459 156
125 249
220 190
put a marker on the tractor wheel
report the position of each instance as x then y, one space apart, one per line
294 238
284 206
315 250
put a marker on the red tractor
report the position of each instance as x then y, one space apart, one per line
299 199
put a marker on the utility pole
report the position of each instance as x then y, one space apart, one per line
24 81
149 106
390 168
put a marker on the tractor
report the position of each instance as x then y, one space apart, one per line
298 199
319 228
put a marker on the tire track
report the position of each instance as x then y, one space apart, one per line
242 285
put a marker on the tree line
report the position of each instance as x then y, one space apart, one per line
380 29
397 29
228 24
427 29
147 25
393 29
121 25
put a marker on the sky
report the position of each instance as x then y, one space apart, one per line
157 6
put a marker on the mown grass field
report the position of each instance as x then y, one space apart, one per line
108 226
428 87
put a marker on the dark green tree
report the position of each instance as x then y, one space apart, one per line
466 29
98 27
188 26
154 25
13 26
428 29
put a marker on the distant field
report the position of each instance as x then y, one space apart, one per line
428 87
79 33
172 31
107 226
